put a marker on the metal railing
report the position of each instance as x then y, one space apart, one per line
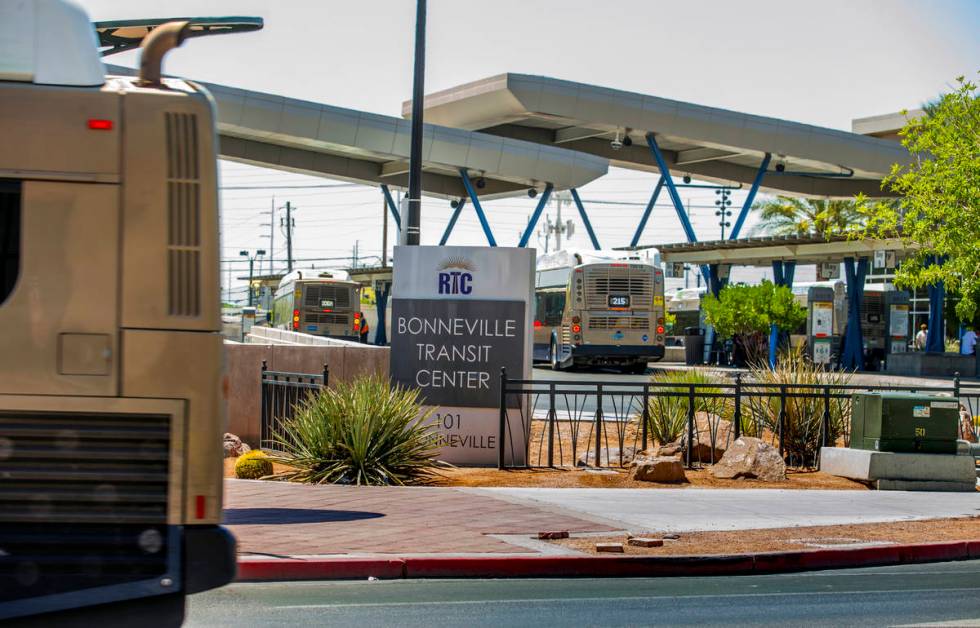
282 392
562 423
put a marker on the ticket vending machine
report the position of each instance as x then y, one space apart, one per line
822 339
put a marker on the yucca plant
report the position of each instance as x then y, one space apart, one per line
802 435
362 432
668 413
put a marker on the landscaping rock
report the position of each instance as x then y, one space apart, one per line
666 469
553 535
706 448
234 446
751 458
614 548
588 460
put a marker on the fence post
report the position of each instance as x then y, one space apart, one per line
598 427
956 385
551 425
738 406
690 427
264 402
826 415
503 418
646 414
326 376
782 418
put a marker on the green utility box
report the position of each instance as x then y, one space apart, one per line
904 422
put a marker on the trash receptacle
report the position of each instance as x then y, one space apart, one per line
693 346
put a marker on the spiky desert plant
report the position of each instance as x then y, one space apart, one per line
802 435
669 404
363 432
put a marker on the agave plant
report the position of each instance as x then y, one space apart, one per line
362 432
669 405
803 426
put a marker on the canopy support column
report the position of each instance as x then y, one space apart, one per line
391 206
476 206
646 213
585 218
852 357
452 221
381 294
782 276
747 205
532 223
935 341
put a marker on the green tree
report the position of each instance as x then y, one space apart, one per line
786 215
939 213
746 313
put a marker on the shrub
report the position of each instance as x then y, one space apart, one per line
668 414
253 465
745 313
361 432
803 427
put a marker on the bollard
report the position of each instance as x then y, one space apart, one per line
646 414
551 425
598 427
690 427
737 419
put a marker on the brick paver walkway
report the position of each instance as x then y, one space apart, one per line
278 518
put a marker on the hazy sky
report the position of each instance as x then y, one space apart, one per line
822 63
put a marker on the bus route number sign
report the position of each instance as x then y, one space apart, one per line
619 300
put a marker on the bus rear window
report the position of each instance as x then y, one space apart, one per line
9 237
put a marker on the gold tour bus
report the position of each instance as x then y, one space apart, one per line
599 313
111 375
320 305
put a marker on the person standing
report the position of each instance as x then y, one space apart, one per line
968 343
920 338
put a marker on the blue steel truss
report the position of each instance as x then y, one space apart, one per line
390 202
476 206
452 221
542 202
585 218
747 205
646 212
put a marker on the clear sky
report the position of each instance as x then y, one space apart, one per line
822 63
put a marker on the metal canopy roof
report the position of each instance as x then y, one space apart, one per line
763 251
710 143
312 138
121 35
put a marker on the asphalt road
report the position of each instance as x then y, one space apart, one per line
884 596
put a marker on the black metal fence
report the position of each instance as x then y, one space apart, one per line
565 423
281 393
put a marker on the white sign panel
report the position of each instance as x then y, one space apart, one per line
898 321
828 271
459 314
821 352
880 259
822 323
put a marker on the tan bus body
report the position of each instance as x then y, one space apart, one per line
320 307
604 314
111 404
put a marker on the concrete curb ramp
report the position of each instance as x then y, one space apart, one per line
601 566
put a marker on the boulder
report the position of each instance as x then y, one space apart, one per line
712 435
665 469
610 457
234 446
750 457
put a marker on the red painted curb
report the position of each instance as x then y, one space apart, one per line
319 569
601 566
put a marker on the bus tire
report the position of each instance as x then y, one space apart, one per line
553 358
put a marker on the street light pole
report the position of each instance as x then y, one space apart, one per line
251 268
414 218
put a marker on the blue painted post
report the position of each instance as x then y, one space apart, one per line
585 218
476 205
646 213
782 273
545 196
671 189
747 205
391 206
452 222
935 341
380 335
852 357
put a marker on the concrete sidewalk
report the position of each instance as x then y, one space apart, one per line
277 519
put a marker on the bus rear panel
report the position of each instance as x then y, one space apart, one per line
320 307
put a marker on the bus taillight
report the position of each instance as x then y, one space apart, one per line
357 321
660 329
576 328
295 319
537 324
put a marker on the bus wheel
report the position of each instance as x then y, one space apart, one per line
553 356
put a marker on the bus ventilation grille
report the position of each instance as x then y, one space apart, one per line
183 216
83 502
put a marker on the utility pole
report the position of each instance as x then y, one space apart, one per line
288 223
272 235
354 256
559 226
414 218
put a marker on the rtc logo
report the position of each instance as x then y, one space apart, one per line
456 276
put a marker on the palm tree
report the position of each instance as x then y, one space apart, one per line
786 215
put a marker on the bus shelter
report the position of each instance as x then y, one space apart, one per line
784 253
